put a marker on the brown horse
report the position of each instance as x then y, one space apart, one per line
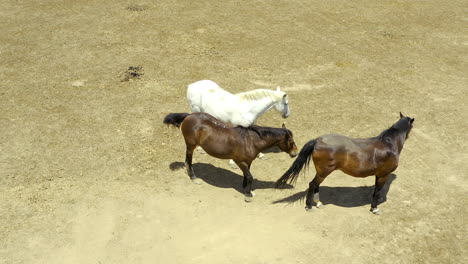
221 140
356 157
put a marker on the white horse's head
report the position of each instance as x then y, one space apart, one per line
282 105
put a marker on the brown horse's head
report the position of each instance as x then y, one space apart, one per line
408 124
287 144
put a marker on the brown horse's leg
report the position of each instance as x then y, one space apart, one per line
379 183
313 192
248 180
188 164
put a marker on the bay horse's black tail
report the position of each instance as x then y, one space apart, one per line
302 160
175 119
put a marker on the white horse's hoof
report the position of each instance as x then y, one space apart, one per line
320 205
376 211
248 198
197 181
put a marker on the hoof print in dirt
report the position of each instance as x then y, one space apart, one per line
137 7
133 72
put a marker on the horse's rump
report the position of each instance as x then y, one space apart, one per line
205 93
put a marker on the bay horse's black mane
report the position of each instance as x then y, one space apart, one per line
259 130
402 126
264 131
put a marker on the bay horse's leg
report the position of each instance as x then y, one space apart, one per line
379 183
248 180
188 164
313 191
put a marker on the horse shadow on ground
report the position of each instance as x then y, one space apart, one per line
222 178
344 196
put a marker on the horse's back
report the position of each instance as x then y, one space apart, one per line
336 141
207 96
337 146
207 89
206 120
354 156
201 87
206 92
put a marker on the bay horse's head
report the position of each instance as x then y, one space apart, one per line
282 105
407 122
287 144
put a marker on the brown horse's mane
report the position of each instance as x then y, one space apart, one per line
264 131
402 126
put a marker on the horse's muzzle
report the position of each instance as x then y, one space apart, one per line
285 115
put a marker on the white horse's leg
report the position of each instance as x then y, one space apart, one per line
233 165
200 150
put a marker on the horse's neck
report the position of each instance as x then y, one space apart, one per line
258 107
266 142
398 141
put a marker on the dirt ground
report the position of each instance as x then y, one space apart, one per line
89 174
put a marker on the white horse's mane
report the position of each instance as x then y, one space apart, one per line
258 94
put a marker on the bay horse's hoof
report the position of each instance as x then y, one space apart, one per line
376 211
196 180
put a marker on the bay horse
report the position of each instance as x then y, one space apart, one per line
377 156
224 141
241 109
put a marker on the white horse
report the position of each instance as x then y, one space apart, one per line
242 109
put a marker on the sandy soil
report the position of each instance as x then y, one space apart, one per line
86 166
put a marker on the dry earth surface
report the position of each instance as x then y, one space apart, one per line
88 172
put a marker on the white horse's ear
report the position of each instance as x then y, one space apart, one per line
278 89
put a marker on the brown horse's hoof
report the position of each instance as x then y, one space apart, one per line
376 211
196 181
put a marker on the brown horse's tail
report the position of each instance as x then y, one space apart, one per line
301 161
175 119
